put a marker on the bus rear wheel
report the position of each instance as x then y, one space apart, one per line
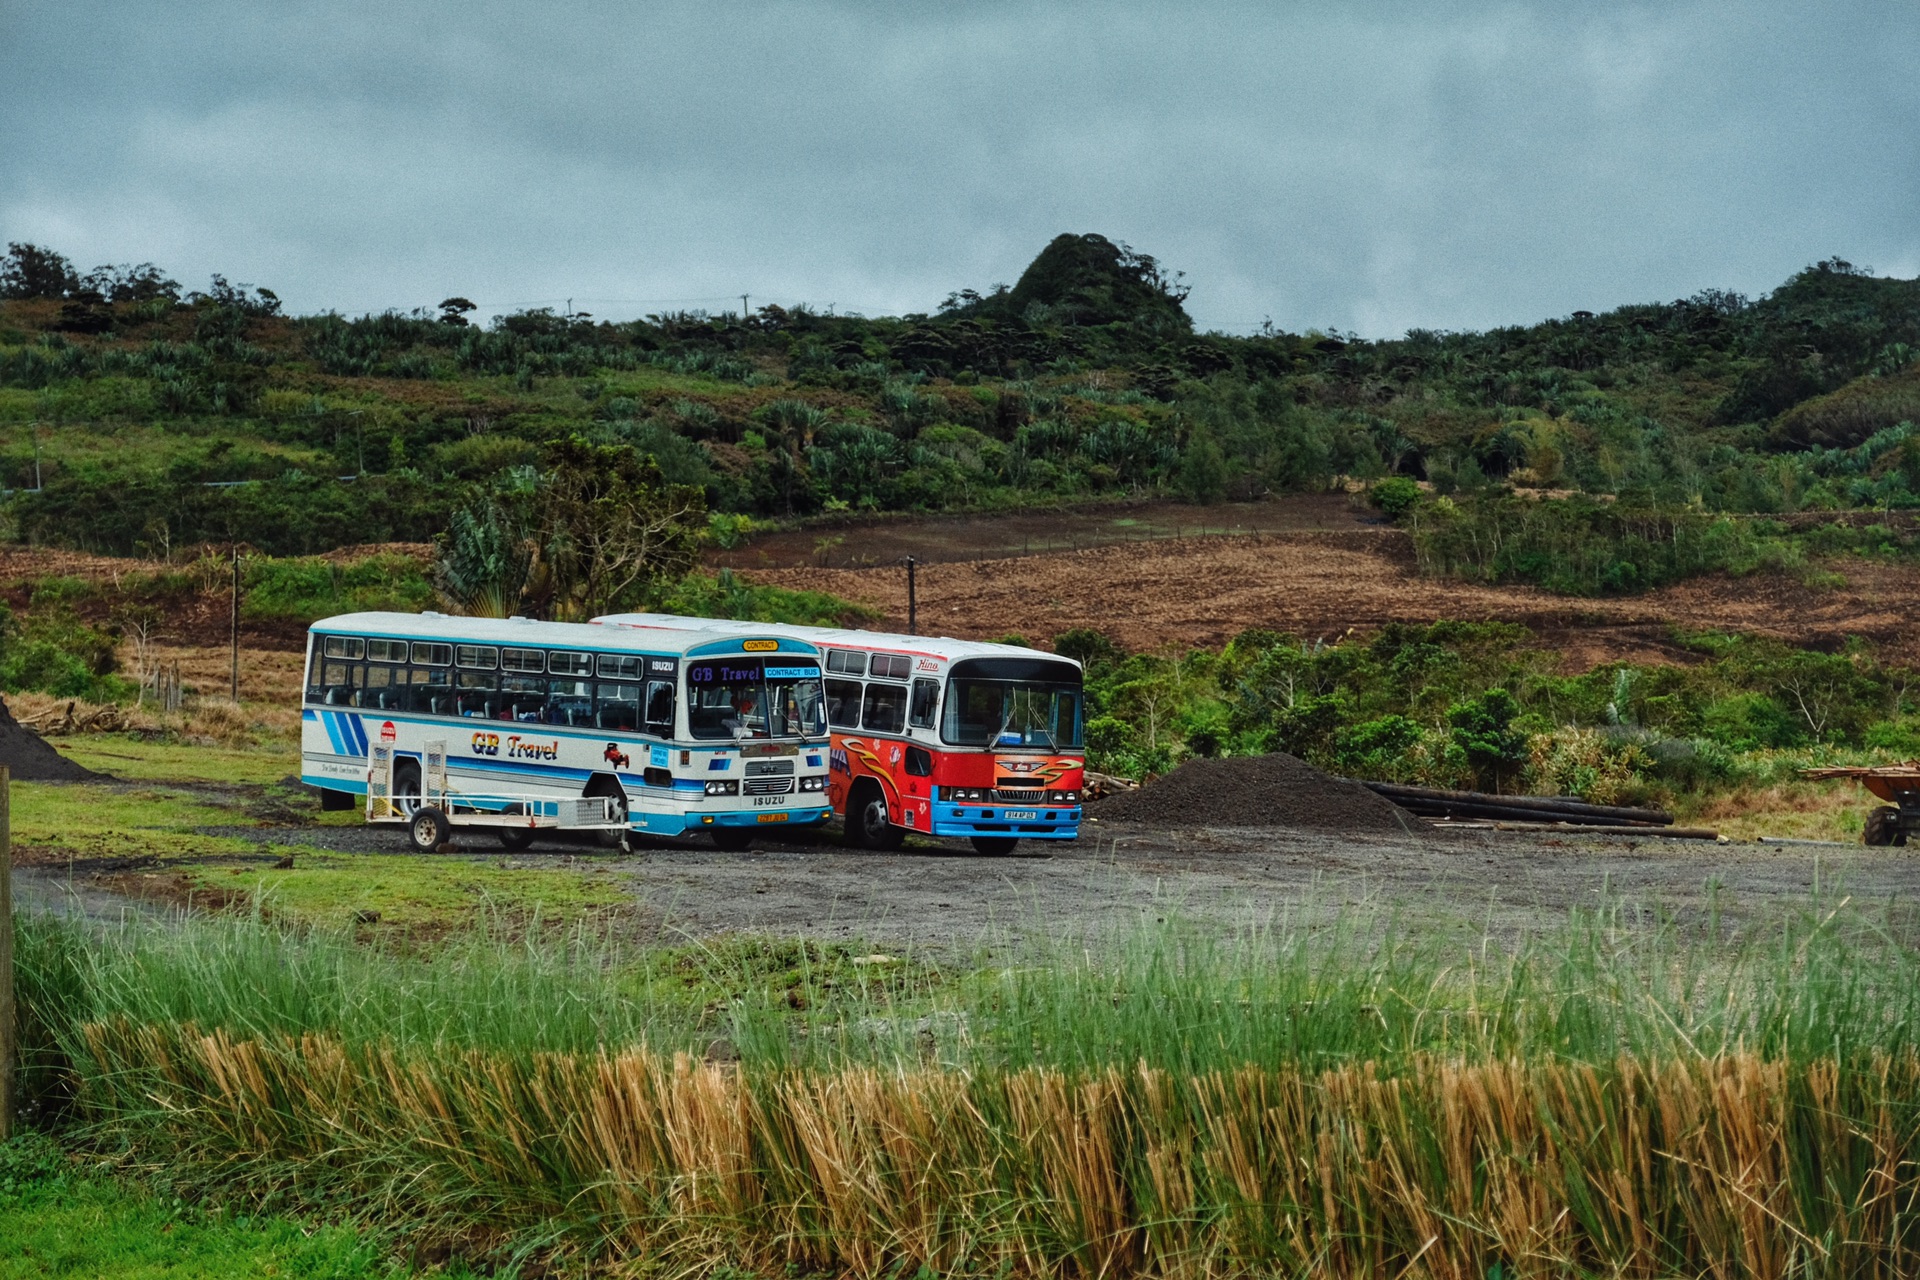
406 788
868 825
603 784
995 846
732 839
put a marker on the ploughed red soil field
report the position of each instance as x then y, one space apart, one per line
1158 575
1319 567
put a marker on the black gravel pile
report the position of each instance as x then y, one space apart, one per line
1253 791
32 758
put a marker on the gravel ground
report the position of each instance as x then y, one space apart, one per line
941 894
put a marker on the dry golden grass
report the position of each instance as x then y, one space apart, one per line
207 721
1730 1166
1793 810
267 677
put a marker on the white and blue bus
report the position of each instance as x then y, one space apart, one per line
435 722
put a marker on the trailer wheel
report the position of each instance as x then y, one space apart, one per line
995 846
1883 828
868 826
516 838
428 829
732 839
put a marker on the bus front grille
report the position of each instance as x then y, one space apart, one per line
1008 795
769 786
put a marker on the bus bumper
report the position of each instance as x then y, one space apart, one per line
1046 824
767 820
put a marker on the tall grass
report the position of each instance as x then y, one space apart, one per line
1621 1096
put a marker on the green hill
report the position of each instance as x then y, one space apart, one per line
142 418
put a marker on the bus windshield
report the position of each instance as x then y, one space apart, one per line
1012 713
748 698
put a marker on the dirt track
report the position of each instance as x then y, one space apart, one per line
941 894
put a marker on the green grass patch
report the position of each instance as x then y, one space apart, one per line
309 587
723 595
60 1218
144 760
93 820
415 894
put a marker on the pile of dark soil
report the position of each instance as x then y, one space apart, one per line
32 758
1254 791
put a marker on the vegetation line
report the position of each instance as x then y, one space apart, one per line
1622 1095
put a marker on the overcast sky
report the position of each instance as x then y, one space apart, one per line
1361 166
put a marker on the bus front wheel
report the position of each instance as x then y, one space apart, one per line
516 838
995 846
868 826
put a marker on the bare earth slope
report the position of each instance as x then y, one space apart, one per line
1175 593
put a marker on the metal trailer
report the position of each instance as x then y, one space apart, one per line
1898 784
430 823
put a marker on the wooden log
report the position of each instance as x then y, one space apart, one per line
1404 795
1513 813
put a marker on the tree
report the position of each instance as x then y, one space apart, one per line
29 271
1483 730
610 525
1203 469
794 424
586 535
454 310
129 283
483 562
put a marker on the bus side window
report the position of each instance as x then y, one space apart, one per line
926 704
843 704
919 762
886 708
570 702
846 662
378 693
660 708
339 680
617 706
431 691
477 694
525 697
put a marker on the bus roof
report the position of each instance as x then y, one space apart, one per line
552 635
930 646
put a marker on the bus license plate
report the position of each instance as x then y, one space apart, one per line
771 817
1014 815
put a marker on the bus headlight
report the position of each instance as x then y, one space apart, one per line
1065 797
814 784
965 795
723 788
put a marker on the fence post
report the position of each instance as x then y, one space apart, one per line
236 624
8 1049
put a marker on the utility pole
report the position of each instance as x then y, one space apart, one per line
8 1049
235 633
913 610
743 308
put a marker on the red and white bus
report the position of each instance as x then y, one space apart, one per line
945 737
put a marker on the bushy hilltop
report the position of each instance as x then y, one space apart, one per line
130 408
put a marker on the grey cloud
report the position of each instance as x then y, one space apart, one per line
1369 166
